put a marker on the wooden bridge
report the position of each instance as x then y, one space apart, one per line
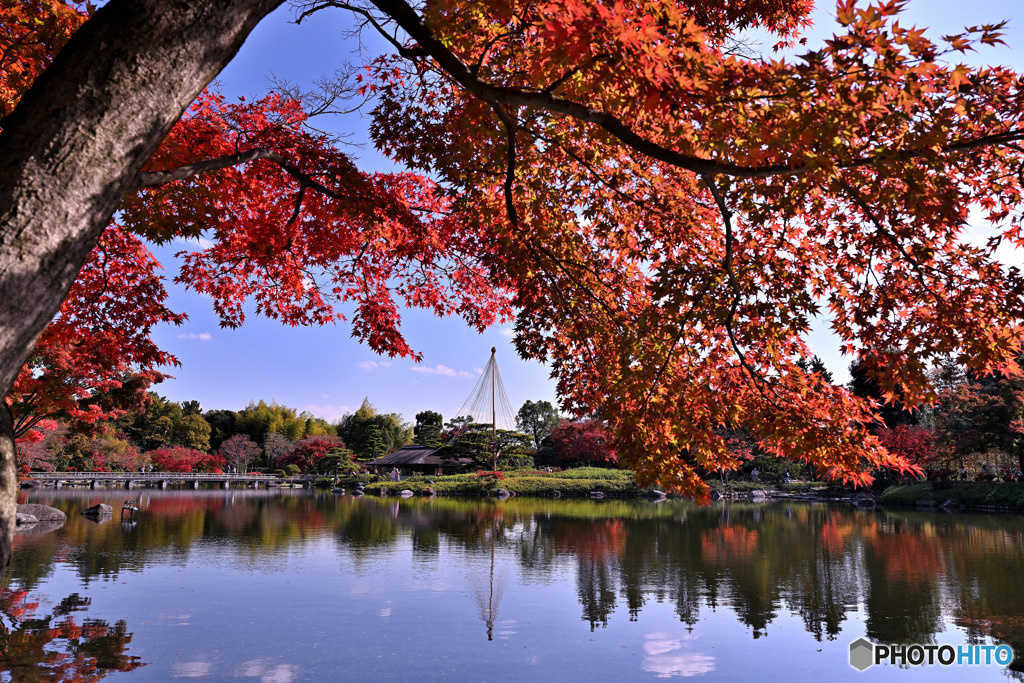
130 480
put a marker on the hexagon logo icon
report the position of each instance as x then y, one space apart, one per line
862 654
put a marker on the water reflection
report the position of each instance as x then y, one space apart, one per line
667 656
890 576
55 647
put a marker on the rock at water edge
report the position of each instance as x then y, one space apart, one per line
98 510
44 513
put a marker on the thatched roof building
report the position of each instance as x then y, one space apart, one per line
415 458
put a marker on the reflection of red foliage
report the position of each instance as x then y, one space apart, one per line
728 543
833 536
56 647
910 558
603 538
180 506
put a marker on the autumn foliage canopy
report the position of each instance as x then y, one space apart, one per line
663 216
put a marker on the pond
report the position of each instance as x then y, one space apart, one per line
301 586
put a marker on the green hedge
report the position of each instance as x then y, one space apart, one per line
545 486
968 493
741 486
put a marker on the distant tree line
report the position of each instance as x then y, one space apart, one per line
152 432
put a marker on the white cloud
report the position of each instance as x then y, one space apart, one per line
441 370
328 412
193 242
373 364
508 332
202 336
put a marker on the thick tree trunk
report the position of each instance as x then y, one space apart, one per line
8 484
74 145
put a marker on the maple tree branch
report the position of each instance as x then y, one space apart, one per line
758 381
106 279
157 178
587 63
510 208
586 165
403 14
403 50
486 49
869 212
675 342
407 18
300 195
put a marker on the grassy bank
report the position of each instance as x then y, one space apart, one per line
967 493
573 483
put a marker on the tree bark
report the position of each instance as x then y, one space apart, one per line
73 147
8 484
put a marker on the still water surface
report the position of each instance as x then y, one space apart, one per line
278 587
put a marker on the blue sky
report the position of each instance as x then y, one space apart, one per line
325 371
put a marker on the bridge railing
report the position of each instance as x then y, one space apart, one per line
160 476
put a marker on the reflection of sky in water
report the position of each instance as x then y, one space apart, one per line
191 669
267 672
565 597
667 656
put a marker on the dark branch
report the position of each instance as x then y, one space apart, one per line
157 178
406 17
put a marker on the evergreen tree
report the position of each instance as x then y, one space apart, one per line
537 420
356 429
815 365
864 385
427 431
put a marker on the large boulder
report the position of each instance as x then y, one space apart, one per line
22 519
757 494
863 499
43 513
98 510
